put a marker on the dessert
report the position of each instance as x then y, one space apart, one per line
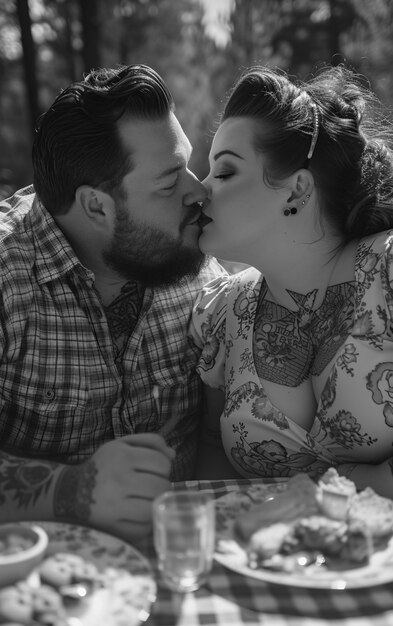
63 568
299 500
323 524
334 493
23 603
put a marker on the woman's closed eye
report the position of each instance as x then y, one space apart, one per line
223 175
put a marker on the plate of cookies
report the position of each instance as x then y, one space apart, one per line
85 578
318 534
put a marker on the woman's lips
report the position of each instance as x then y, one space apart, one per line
204 220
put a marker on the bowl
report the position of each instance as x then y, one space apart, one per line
21 549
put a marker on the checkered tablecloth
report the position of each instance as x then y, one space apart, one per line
230 599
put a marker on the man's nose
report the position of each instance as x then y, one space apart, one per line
198 193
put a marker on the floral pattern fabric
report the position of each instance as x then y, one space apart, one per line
354 417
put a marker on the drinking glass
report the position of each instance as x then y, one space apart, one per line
184 534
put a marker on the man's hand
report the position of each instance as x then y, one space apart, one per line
113 490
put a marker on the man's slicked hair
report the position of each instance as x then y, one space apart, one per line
77 140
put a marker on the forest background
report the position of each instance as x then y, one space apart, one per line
199 47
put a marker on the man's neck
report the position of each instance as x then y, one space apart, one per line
109 288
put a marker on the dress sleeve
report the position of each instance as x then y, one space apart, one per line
207 330
387 280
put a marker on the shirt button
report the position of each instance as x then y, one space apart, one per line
50 394
98 312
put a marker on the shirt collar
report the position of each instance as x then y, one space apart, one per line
54 255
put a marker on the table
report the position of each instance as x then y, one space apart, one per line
229 599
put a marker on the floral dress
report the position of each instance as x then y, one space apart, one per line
354 417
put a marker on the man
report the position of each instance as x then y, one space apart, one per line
100 267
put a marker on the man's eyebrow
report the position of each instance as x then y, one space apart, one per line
219 154
169 171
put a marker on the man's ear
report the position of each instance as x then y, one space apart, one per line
301 184
97 205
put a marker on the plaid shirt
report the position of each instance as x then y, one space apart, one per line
61 394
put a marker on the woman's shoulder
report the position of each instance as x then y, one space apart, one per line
374 276
214 294
380 243
211 306
374 258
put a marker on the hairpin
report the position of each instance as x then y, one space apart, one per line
315 131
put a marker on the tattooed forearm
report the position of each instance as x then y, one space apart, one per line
23 481
74 492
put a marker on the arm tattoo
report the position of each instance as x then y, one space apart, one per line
74 492
24 481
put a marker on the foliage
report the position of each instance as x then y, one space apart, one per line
174 36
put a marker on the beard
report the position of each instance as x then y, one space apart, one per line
148 255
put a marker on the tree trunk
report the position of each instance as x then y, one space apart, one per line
91 34
68 10
29 61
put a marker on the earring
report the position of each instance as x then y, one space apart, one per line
306 199
291 211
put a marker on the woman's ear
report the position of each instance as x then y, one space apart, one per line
96 204
301 184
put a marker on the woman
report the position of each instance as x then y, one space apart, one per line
301 189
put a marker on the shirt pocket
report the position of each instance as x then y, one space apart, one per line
39 390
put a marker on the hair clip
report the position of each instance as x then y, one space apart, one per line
315 132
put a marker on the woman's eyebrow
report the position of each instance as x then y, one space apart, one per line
219 154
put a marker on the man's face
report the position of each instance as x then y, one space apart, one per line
156 231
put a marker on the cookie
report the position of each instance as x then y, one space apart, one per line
63 568
22 603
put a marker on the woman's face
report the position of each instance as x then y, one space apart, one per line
245 212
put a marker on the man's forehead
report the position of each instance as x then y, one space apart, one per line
159 147
162 136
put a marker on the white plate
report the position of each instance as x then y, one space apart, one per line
232 555
129 588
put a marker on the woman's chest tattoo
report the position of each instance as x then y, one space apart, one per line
289 346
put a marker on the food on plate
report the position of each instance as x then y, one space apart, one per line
301 526
13 543
334 538
332 479
334 493
299 500
374 512
320 533
359 545
23 603
63 568
128 598
269 540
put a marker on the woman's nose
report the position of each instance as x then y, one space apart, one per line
206 184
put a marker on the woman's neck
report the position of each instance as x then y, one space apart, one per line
301 267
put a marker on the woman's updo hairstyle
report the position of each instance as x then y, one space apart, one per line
352 159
